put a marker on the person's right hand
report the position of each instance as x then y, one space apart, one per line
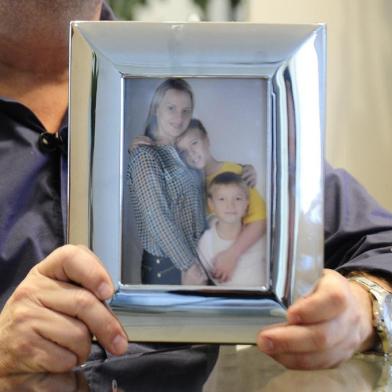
224 263
47 323
38 382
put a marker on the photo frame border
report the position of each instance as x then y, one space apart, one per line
292 59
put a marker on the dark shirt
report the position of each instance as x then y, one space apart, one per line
32 192
31 183
358 231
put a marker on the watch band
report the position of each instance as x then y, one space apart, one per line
379 295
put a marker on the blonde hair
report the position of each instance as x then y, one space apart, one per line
169 84
227 178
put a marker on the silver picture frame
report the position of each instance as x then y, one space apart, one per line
108 60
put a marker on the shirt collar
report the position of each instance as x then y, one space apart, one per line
107 13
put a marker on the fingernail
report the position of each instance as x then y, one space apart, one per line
267 345
105 291
119 344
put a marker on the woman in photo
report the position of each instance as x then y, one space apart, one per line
167 195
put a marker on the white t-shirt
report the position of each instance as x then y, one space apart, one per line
251 269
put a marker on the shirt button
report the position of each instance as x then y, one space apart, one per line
158 261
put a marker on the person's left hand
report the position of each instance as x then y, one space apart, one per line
224 265
325 328
194 275
140 140
249 175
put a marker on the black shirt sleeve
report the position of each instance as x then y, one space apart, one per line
358 231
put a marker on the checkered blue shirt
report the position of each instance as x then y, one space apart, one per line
168 202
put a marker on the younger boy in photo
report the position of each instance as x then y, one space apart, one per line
228 199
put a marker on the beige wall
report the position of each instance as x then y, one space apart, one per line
359 87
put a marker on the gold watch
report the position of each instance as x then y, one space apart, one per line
382 313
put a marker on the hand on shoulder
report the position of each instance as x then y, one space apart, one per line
140 140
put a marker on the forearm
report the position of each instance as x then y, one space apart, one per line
250 234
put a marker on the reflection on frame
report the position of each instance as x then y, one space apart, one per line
195 184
